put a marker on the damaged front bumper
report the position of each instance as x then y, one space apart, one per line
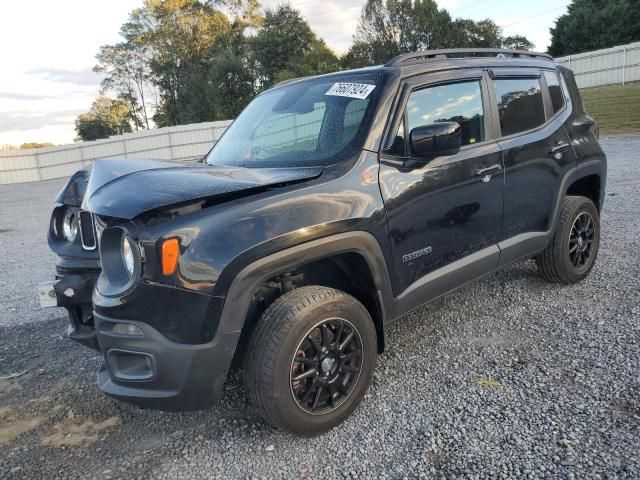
72 290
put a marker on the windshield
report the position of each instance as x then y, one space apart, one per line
306 123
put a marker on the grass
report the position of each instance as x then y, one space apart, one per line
616 108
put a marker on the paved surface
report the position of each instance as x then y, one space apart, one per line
510 377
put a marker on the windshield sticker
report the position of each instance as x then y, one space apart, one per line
353 90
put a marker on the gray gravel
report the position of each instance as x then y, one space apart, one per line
510 377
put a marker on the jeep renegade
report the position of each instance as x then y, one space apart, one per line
332 206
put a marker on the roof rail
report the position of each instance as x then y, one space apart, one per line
464 52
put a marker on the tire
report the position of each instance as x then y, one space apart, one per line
281 348
561 262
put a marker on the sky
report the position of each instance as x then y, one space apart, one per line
49 47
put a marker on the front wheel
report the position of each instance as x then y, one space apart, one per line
310 359
574 247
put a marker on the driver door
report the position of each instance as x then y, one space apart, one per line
444 215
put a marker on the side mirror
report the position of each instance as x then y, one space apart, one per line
437 139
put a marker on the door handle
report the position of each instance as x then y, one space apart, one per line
558 148
487 170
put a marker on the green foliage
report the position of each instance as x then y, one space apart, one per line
107 117
24 146
286 47
391 27
595 24
190 61
517 41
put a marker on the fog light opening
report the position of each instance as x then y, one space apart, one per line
130 366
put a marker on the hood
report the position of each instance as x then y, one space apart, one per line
127 188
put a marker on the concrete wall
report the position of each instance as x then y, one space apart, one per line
181 143
619 64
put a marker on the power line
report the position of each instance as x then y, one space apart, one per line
332 11
469 4
307 2
487 7
535 16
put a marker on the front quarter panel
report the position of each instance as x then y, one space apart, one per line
217 242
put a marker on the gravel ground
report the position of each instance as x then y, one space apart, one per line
509 377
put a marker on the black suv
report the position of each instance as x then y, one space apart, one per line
332 206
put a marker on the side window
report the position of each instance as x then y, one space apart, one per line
455 102
520 104
555 90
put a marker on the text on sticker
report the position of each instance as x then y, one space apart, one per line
353 90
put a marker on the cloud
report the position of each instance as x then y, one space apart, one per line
17 120
23 96
84 76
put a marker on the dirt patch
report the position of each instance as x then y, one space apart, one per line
488 383
11 426
79 431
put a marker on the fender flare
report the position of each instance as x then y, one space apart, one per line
583 169
241 291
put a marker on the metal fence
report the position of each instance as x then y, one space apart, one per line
619 64
181 143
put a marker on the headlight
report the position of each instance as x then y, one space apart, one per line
69 224
120 258
127 255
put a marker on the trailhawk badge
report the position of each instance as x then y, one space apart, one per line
413 255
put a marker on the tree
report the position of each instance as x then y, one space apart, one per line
470 34
189 56
106 117
24 146
517 42
286 47
595 24
391 27
127 71
221 82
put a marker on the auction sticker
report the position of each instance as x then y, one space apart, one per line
353 90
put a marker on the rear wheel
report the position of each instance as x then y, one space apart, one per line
310 359
572 252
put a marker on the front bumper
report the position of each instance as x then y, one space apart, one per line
149 370
73 290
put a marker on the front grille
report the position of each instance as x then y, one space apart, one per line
87 231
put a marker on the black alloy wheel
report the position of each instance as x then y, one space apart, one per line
573 248
581 240
310 359
326 366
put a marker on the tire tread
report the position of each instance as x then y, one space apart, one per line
269 335
550 261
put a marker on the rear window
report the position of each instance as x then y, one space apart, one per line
555 91
520 104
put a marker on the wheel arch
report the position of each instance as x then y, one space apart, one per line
588 186
357 253
582 181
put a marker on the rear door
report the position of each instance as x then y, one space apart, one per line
537 154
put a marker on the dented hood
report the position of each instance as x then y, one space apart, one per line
127 188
